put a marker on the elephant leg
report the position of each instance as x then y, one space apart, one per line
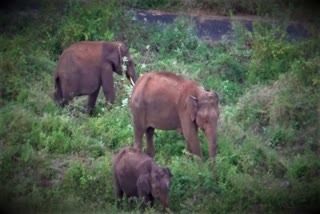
151 199
108 85
194 145
119 193
149 136
138 134
92 100
188 148
190 133
148 200
67 94
65 101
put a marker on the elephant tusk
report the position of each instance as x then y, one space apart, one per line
131 81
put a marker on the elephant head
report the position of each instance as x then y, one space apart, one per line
121 60
204 111
157 183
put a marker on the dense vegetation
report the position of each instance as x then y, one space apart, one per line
58 160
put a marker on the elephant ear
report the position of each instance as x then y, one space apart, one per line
192 107
111 52
144 184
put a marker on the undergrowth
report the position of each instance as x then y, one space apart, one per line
56 159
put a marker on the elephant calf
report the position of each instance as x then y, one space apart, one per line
138 175
85 66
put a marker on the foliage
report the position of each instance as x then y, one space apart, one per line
227 7
56 159
90 177
90 21
272 54
177 38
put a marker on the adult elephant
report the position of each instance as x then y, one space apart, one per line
85 66
163 100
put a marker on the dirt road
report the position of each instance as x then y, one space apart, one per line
214 27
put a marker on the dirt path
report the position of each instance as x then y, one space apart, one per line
214 27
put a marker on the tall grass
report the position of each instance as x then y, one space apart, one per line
59 159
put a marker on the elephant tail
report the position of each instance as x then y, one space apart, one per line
58 91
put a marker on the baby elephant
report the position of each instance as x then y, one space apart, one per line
136 174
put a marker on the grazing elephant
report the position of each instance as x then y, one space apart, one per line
85 66
163 100
136 174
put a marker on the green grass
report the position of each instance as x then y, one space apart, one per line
58 160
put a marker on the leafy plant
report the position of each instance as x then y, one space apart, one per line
272 53
87 22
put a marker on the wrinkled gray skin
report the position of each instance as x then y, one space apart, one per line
85 66
163 100
135 174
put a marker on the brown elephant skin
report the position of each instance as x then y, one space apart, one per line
135 174
163 100
85 66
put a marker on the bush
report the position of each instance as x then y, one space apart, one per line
279 136
303 167
90 21
16 126
91 181
12 70
272 53
176 38
190 180
305 68
113 130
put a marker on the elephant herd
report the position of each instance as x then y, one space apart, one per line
159 100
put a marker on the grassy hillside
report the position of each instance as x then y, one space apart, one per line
58 160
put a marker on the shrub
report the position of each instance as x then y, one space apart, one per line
90 181
279 136
12 72
229 92
113 130
305 68
16 126
272 53
90 21
303 167
190 180
178 38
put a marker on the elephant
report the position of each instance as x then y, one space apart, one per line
137 175
84 66
163 100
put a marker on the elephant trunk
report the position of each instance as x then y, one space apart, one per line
211 135
131 75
